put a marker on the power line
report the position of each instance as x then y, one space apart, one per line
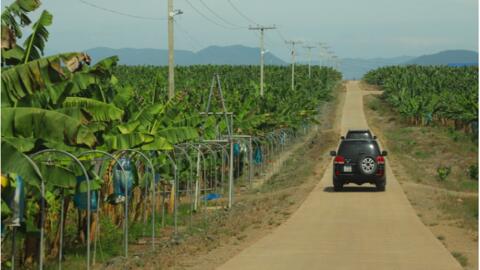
280 35
206 17
122 13
241 13
284 40
269 41
219 17
193 41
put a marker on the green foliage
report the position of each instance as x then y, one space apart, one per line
443 172
473 172
461 258
35 43
279 108
427 93
15 16
57 176
44 125
44 74
14 161
95 109
61 102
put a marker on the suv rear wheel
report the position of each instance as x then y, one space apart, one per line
337 186
380 186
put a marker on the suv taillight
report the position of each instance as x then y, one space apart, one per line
339 160
380 160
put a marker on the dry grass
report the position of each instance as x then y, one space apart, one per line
424 151
448 203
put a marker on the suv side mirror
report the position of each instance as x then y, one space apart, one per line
374 137
384 153
333 153
342 137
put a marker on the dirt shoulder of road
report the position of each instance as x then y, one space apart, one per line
447 205
257 211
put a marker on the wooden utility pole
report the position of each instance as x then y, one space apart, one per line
330 59
336 62
293 43
262 51
171 62
171 50
323 47
309 48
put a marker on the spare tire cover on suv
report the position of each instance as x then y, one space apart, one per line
367 165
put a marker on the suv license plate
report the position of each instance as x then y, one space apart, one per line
347 168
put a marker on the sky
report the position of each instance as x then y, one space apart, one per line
352 28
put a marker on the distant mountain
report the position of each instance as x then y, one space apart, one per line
352 68
215 55
451 57
355 68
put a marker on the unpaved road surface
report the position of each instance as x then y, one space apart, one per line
355 229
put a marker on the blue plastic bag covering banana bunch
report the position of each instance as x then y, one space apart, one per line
258 155
13 193
236 149
283 138
122 181
80 200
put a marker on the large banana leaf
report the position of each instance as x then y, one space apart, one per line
45 125
18 9
158 144
35 43
14 161
26 79
127 141
148 113
98 110
21 144
58 176
129 127
178 134
12 56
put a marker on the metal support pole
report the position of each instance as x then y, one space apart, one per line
125 228
42 207
230 176
150 164
250 160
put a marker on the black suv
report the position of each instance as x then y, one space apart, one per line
359 161
359 134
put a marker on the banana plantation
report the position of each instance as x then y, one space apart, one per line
95 156
431 94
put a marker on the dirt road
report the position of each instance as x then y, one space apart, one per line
355 229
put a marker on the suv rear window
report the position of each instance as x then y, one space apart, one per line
355 148
359 135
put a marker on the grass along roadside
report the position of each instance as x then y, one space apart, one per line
433 167
257 211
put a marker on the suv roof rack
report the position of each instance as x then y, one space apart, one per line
358 130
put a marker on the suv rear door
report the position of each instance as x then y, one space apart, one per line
353 150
